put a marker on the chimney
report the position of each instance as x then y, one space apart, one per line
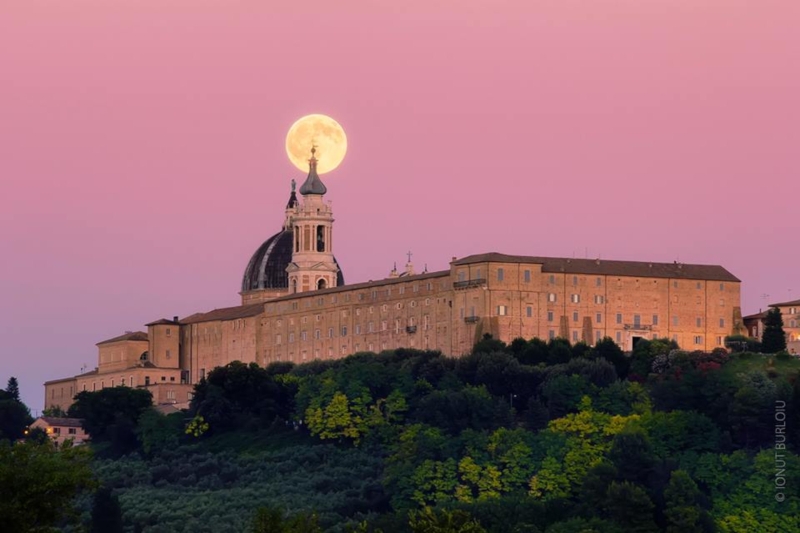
175 318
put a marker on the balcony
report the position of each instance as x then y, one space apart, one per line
411 329
471 319
479 282
638 327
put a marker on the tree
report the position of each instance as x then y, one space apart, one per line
631 507
14 417
682 510
270 520
111 415
430 521
632 455
611 352
38 484
106 512
13 388
774 338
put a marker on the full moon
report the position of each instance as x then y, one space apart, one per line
318 131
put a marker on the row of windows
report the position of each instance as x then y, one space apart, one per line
598 280
598 336
334 299
502 310
384 326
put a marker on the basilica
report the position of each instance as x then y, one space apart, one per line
296 307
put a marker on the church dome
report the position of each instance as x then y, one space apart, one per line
267 267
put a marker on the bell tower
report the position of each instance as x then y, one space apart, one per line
313 266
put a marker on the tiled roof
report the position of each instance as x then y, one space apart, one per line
63 422
608 268
786 304
163 321
131 336
365 285
226 313
762 314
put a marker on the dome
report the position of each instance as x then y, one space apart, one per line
267 267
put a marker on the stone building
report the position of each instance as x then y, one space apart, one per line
790 312
61 430
296 307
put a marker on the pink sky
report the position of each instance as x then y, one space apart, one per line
142 159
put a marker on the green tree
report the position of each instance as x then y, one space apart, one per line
632 455
158 432
106 512
774 338
610 351
54 412
13 388
271 520
14 417
443 521
682 499
111 415
337 420
630 506
39 483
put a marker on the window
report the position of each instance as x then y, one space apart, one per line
317 334
598 318
699 285
575 316
575 298
699 322
599 298
549 316
574 336
552 297
330 333
722 322
500 274
698 339
291 337
655 320
574 280
502 310
527 276
169 355
461 275
552 279
619 318
598 282
168 332
721 287
719 341
675 320
370 327
358 329
598 336
72 431
674 284
637 320
619 337
344 331
551 334
529 311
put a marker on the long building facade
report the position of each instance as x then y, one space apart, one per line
296 307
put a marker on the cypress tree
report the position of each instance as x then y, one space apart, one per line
774 338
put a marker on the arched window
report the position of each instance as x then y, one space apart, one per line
294 285
320 238
144 357
321 284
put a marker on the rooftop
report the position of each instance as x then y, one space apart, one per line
225 313
129 336
786 304
605 267
62 422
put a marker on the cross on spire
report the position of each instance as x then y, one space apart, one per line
409 254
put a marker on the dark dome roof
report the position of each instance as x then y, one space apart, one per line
267 267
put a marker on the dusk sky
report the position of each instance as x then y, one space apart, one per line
142 146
